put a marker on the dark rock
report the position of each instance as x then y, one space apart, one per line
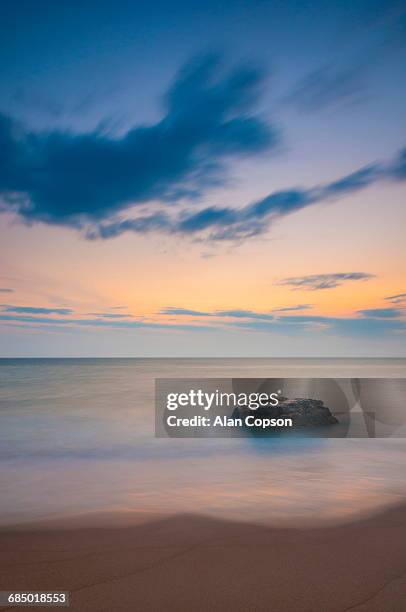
303 412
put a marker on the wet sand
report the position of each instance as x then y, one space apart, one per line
189 562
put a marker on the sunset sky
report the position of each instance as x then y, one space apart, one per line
202 179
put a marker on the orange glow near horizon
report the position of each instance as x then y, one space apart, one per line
144 274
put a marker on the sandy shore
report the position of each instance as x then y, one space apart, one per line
198 563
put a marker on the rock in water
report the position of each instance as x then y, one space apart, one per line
307 412
303 412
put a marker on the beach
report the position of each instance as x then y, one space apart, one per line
191 562
203 306
94 504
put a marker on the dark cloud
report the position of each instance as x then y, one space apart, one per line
141 225
396 299
87 180
398 168
314 282
355 181
71 179
35 310
255 218
6 290
227 223
207 218
382 313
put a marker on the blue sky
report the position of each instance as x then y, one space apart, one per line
187 160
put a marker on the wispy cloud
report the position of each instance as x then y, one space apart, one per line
35 310
217 223
368 323
50 322
345 80
297 307
172 310
245 314
382 313
87 181
345 326
233 313
110 315
327 87
314 282
400 298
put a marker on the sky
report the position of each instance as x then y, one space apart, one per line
202 179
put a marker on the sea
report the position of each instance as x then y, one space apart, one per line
77 439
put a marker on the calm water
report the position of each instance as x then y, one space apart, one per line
77 437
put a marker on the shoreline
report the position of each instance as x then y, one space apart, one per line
127 519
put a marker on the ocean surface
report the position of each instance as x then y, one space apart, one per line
77 438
